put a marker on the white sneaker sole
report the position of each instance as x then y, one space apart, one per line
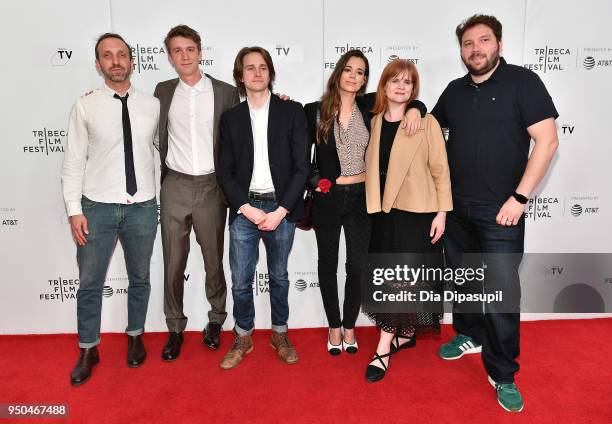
465 352
492 383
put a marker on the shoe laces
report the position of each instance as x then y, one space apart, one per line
240 342
509 388
283 340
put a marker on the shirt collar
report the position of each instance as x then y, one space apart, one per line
266 105
204 84
497 75
106 89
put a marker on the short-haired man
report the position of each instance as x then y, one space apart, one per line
492 113
191 106
108 182
263 165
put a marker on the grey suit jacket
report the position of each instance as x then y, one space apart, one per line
226 97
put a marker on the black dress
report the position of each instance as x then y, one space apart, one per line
403 232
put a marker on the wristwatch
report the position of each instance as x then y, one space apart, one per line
520 198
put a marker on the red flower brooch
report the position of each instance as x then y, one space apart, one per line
324 185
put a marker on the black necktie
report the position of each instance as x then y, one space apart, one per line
130 174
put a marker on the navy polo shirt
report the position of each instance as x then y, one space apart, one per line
488 143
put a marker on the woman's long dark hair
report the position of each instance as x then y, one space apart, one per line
330 101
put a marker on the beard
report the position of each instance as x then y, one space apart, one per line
120 77
488 65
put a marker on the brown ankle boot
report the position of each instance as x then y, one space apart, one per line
243 345
284 349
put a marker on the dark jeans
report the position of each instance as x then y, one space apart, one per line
244 254
351 215
135 226
471 229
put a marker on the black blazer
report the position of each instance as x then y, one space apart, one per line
287 151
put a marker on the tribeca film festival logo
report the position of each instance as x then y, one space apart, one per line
61 57
60 289
305 280
597 58
147 58
550 59
7 218
580 206
391 53
541 207
261 283
339 50
46 141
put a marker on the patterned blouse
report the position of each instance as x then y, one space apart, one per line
351 143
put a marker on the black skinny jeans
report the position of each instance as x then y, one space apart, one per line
350 214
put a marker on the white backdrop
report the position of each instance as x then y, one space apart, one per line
49 62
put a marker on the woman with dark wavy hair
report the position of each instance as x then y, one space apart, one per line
339 126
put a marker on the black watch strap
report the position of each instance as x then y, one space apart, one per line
520 198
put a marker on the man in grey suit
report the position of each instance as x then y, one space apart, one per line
191 106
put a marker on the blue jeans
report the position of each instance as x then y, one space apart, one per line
244 253
135 226
473 235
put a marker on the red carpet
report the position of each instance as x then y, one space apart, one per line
566 377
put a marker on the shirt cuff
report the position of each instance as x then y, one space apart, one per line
73 207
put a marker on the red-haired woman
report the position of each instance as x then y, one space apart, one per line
408 191
339 126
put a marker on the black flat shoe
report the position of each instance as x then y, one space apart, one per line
374 373
396 342
172 350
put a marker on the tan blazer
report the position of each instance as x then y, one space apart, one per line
418 177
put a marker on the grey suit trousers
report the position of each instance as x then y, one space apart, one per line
192 202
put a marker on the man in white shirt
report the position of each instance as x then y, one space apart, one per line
190 198
108 183
262 168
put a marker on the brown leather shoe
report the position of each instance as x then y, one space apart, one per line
284 349
243 345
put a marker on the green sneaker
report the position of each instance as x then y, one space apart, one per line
508 396
459 345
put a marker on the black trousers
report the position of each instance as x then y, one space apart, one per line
473 235
348 212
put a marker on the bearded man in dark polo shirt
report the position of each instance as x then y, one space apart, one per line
492 113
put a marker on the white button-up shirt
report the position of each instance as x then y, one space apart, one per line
94 160
261 180
190 128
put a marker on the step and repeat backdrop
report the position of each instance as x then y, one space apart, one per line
48 62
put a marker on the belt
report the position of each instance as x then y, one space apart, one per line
262 196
